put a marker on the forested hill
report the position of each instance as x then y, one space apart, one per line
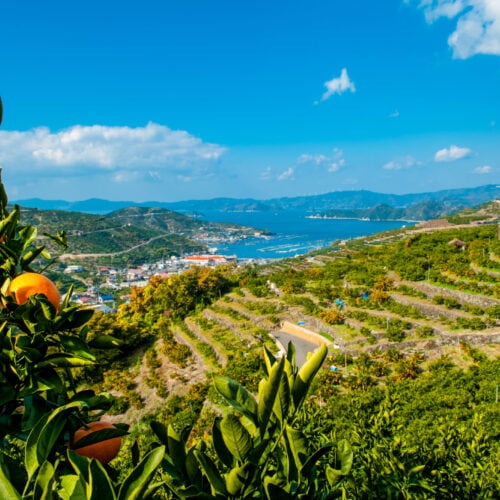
157 232
423 211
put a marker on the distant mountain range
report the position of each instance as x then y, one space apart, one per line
417 206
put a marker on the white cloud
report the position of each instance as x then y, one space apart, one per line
338 85
332 163
394 114
266 174
478 24
287 174
486 169
127 153
451 154
402 163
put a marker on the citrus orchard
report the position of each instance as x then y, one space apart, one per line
27 284
104 451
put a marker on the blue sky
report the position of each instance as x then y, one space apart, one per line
198 99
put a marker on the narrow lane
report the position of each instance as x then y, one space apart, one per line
302 346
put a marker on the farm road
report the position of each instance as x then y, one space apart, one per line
302 346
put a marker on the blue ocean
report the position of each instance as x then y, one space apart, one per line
293 232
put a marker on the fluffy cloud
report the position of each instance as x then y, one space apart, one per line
287 174
402 163
305 164
478 24
451 154
332 163
127 153
338 85
486 169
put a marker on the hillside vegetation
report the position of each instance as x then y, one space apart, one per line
414 341
132 235
403 393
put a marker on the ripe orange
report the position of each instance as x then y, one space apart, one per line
104 451
27 284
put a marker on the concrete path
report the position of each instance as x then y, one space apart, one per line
302 346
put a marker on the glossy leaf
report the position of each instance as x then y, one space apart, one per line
137 481
306 375
221 449
80 464
176 445
345 455
208 467
236 437
237 479
76 346
268 390
61 360
193 471
73 487
269 360
44 482
160 430
311 461
105 342
290 354
297 444
274 490
100 482
237 396
7 489
333 476
44 436
282 401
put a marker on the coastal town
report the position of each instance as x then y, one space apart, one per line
105 284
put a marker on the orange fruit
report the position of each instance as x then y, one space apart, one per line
104 451
27 284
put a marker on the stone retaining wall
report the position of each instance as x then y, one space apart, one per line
467 298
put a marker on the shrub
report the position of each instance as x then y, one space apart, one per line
423 331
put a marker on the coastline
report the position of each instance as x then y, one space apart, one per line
362 219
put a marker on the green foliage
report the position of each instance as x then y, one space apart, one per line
40 404
332 316
394 331
309 306
177 296
424 332
256 451
432 437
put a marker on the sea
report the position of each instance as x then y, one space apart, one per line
293 233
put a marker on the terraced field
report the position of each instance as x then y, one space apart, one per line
363 299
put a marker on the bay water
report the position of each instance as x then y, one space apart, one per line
293 232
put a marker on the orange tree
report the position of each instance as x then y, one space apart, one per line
41 342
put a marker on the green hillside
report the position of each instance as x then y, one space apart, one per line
131 235
401 400
415 345
421 211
